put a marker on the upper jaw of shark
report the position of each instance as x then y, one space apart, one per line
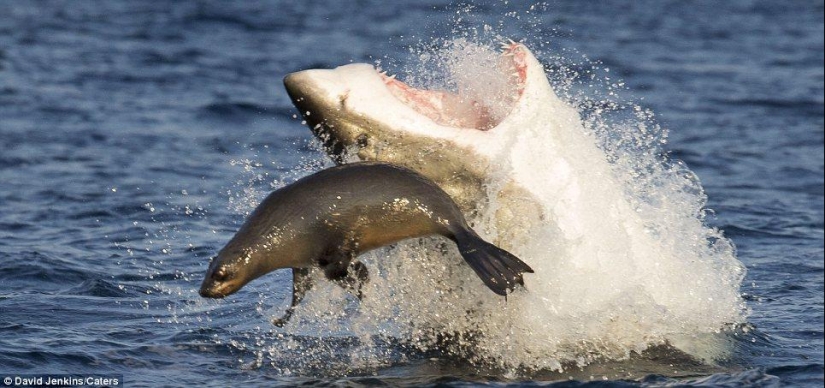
470 110
359 113
345 104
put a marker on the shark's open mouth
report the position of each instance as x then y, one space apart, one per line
483 107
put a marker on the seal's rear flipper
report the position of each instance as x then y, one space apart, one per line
301 283
498 269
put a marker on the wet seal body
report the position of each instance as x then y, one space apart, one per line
327 219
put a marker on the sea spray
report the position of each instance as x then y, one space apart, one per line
623 259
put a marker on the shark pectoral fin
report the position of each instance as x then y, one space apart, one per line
301 283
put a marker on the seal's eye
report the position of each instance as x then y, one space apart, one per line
220 274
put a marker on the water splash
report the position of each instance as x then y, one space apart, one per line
624 260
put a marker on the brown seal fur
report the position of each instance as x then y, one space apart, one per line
328 218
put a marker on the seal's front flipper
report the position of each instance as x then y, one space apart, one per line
357 276
498 269
351 278
301 283
340 267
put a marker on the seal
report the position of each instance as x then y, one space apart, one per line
325 220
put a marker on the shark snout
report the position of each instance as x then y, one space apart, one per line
312 91
296 82
328 88
316 85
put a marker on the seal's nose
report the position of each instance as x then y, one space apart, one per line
208 291
204 291
208 287
210 282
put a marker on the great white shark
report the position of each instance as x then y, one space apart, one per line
458 142
524 162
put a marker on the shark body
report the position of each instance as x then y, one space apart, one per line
458 142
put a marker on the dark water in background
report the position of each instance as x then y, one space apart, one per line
124 127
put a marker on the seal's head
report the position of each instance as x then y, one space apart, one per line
231 269
225 275
268 240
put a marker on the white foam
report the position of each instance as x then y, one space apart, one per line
623 261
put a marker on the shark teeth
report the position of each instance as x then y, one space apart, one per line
515 68
463 109
384 75
509 46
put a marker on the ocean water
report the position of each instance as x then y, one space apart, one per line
135 136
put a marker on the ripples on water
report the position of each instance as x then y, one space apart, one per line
134 136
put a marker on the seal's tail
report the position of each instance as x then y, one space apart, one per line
500 270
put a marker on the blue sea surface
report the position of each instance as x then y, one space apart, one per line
129 132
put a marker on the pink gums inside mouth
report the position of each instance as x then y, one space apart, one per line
455 110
